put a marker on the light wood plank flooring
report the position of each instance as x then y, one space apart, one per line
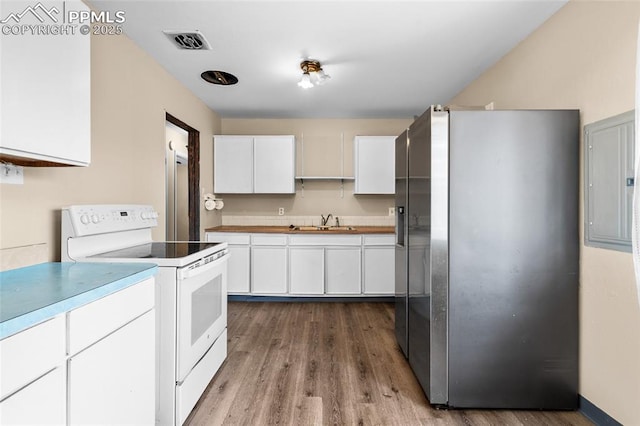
329 363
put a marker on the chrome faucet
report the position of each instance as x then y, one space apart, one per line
325 220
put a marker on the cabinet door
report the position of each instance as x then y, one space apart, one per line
268 270
343 270
374 166
239 264
238 269
113 381
233 164
379 270
36 350
46 91
306 270
43 402
90 323
274 164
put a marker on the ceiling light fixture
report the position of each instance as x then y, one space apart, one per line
312 74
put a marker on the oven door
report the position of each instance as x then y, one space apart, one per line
202 311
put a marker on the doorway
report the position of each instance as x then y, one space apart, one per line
182 165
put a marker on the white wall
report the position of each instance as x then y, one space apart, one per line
584 57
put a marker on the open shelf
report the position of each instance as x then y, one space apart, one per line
326 178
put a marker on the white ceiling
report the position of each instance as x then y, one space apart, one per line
386 58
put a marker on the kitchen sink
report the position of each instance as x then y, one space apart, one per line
323 228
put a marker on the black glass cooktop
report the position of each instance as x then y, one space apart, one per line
160 250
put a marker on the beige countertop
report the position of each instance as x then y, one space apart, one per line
304 229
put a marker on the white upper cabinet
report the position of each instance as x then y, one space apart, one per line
233 164
254 164
274 164
46 92
374 164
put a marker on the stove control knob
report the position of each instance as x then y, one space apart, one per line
95 218
144 215
85 219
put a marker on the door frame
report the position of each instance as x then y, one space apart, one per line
193 170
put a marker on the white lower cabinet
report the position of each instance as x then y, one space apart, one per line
114 379
379 272
378 256
343 270
238 265
112 365
32 375
306 270
268 270
239 272
37 350
106 374
42 402
309 264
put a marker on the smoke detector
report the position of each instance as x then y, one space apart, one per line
188 40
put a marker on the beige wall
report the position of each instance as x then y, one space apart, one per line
324 147
130 95
584 57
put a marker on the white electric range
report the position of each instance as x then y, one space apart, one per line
191 295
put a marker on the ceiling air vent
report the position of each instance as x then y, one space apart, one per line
188 40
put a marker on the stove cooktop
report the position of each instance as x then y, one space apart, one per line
160 250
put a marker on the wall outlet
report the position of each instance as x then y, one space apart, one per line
392 211
11 174
280 211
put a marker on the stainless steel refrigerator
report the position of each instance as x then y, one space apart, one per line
487 257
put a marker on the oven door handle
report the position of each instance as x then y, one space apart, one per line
187 272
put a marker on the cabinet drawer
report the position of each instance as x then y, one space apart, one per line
36 350
43 402
268 240
325 240
228 237
94 321
379 240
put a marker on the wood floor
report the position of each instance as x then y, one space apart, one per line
328 363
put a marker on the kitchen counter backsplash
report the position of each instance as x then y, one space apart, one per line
306 220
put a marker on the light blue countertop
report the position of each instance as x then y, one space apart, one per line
37 293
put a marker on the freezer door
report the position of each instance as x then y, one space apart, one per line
401 250
513 318
427 252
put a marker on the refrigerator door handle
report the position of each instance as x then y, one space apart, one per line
400 226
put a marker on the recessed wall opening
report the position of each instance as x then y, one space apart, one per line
182 159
